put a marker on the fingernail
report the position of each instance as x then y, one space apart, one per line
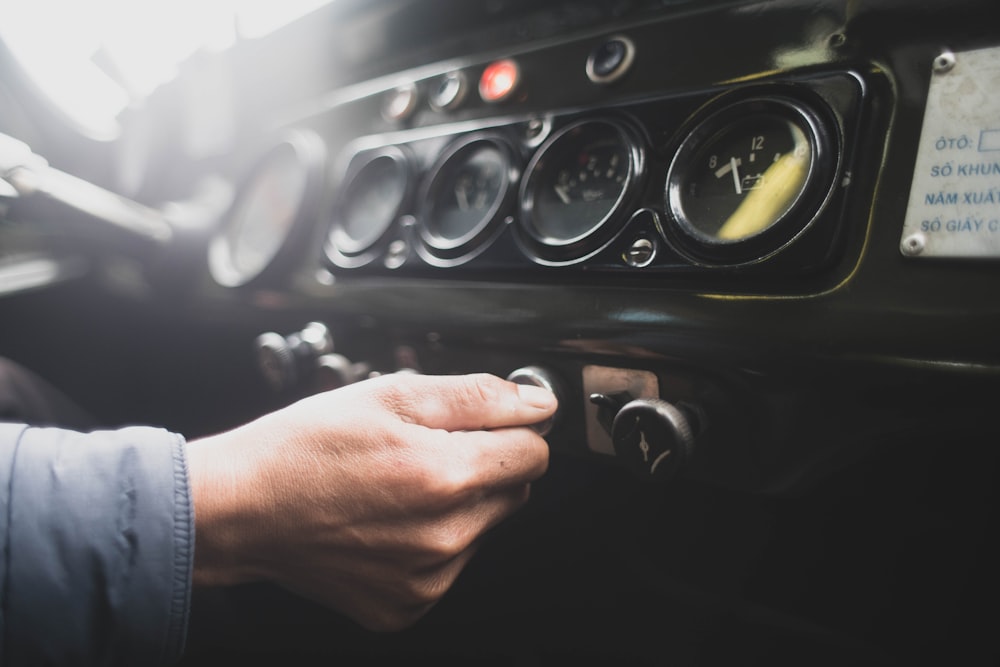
536 397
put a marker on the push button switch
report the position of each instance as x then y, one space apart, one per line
610 60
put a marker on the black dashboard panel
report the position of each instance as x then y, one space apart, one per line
543 212
591 223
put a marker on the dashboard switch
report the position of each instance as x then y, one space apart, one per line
286 361
400 103
610 60
335 370
652 437
539 377
608 406
450 91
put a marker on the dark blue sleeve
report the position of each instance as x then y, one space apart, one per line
97 532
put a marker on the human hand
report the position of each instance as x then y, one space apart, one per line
371 498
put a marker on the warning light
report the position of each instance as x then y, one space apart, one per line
499 80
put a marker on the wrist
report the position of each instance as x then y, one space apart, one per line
226 513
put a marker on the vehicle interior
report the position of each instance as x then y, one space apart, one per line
751 245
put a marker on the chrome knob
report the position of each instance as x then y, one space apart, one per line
539 377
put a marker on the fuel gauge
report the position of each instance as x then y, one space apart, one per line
748 179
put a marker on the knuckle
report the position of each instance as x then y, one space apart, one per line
425 591
483 389
448 485
397 397
447 542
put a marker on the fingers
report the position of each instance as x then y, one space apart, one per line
502 457
465 402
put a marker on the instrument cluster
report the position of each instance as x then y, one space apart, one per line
749 179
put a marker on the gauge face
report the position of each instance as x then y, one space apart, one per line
370 201
265 216
266 211
465 194
744 174
577 182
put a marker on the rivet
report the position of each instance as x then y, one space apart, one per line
913 245
944 62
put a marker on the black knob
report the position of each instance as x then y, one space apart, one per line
335 370
275 360
286 361
652 437
539 377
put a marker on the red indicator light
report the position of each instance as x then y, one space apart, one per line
499 80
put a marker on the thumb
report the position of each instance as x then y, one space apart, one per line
465 402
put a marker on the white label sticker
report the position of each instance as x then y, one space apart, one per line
954 208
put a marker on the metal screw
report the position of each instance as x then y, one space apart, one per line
535 131
913 245
944 62
395 254
641 252
325 278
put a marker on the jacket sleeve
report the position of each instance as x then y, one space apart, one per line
97 532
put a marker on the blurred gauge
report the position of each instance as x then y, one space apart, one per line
371 199
466 196
270 211
576 187
748 179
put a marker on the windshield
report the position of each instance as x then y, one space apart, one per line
92 58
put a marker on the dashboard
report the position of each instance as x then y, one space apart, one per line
751 245
605 191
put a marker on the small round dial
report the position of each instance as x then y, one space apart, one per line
370 201
577 184
268 212
465 195
746 178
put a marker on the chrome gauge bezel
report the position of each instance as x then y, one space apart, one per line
548 250
347 251
439 249
307 152
709 124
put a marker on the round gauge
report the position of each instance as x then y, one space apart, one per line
748 179
576 188
268 211
465 196
370 200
